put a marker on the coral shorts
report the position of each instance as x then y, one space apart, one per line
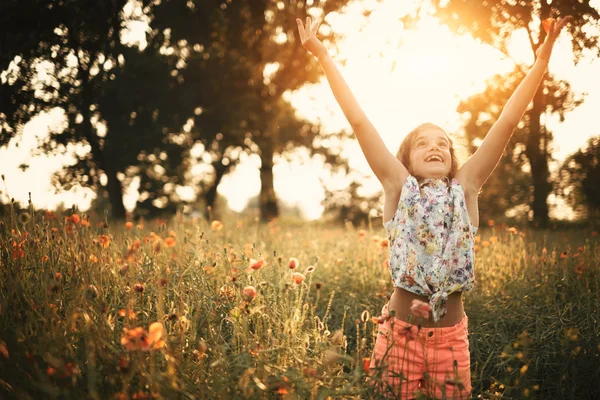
408 360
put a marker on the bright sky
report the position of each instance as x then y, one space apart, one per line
399 87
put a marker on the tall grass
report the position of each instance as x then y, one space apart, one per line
161 309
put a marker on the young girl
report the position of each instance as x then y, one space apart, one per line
431 217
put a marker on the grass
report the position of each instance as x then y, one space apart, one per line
163 309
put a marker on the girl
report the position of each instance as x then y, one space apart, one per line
431 216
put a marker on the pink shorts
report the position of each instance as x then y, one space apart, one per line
407 360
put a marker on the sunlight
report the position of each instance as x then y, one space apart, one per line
400 77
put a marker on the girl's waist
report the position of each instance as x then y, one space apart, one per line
402 299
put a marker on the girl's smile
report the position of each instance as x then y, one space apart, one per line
430 154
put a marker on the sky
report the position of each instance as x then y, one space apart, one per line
399 87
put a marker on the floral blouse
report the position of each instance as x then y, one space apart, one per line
431 241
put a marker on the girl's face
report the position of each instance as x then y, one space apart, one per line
430 154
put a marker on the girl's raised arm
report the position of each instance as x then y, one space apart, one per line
388 169
480 165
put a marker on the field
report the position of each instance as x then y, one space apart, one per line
237 309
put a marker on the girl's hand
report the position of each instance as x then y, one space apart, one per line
308 37
552 28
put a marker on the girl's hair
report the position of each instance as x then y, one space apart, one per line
405 147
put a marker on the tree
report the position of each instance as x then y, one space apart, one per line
493 22
579 177
254 51
81 50
509 187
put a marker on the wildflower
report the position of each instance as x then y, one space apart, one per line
408 333
123 366
493 239
513 230
386 263
571 334
524 369
227 292
128 225
139 339
138 287
18 250
91 292
24 217
75 219
249 292
156 245
594 234
85 222
477 239
310 269
297 278
485 243
384 243
124 313
564 255
172 234
490 223
293 263
420 309
104 241
579 269
361 234
170 242
93 258
216 225
256 264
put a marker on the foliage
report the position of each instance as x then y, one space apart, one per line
579 177
509 187
493 22
137 111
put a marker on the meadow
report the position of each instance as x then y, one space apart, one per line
236 309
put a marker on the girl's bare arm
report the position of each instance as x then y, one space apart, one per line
388 169
481 164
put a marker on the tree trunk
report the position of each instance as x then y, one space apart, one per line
115 194
211 194
267 199
538 159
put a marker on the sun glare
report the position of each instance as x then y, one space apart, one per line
401 77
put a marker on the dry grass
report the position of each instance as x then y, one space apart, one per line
96 311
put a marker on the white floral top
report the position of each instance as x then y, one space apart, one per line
431 241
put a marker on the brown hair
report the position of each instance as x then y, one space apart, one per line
405 147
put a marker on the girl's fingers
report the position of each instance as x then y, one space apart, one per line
308 24
315 28
301 29
563 22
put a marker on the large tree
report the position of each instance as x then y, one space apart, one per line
510 186
110 93
255 55
493 22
